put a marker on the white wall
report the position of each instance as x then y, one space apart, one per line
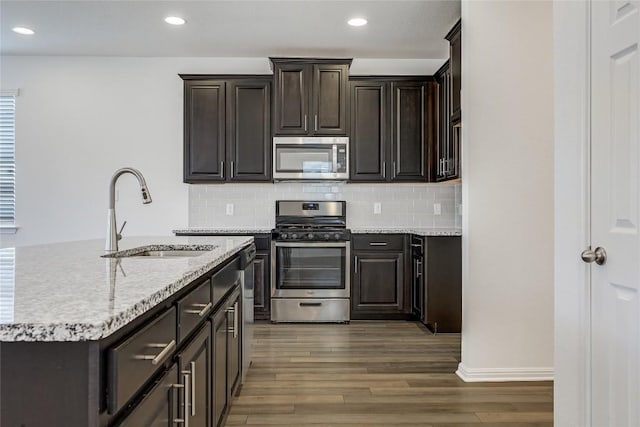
507 196
81 118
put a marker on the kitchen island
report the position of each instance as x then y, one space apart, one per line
93 341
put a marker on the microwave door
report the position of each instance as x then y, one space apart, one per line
301 162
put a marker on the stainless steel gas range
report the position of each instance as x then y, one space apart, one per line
310 262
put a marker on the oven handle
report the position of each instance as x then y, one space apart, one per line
311 244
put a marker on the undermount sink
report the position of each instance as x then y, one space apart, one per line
162 251
169 254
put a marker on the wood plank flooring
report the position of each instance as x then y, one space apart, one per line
375 374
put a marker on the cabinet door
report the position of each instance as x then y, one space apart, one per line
369 130
378 284
291 99
220 395
456 72
204 131
195 363
444 120
329 98
159 408
234 342
409 144
261 286
443 285
249 130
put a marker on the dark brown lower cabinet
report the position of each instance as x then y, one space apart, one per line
160 407
443 283
219 332
234 342
262 278
195 364
378 281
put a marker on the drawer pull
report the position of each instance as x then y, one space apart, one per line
157 359
378 244
205 308
310 304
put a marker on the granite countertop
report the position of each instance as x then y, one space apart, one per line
409 230
68 292
204 230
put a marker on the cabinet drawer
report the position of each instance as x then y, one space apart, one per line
132 363
194 308
377 242
263 242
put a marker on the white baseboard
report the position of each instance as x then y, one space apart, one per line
470 375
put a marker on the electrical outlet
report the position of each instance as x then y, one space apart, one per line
377 208
229 208
437 209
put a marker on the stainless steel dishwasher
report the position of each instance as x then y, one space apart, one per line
247 256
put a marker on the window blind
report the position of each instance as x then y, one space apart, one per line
7 284
7 159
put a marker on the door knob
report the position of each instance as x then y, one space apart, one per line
599 255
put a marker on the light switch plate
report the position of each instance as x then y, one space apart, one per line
437 209
229 208
377 208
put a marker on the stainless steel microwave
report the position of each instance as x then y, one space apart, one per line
311 158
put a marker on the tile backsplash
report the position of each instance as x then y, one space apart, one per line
253 205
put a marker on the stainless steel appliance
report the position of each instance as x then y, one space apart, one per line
310 262
311 158
247 256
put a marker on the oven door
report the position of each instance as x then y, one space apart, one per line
310 269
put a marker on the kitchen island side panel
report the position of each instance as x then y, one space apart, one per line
42 384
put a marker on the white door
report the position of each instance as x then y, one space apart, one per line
615 219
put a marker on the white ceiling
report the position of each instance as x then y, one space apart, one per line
396 29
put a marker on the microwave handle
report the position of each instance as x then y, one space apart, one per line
335 157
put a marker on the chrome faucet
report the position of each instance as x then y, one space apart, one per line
112 235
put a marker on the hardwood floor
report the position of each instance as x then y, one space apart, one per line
375 374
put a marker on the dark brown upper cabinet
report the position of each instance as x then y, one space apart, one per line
204 130
455 59
392 129
447 147
310 96
227 129
370 133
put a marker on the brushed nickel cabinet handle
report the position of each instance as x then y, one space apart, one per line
305 122
205 308
178 420
378 243
193 389
157 359
316 120
222 169
231 169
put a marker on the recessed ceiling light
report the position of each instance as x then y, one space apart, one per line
24 31
357 22
174 20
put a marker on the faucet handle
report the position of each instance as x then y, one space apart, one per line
119 234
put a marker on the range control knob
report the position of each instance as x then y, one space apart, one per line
336 236
294 236
326 237
310 236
